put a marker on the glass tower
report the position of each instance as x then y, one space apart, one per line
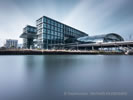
51 32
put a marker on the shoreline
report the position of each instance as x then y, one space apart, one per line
57 52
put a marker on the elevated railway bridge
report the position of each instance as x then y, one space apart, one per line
96 46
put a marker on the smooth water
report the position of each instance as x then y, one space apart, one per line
66 77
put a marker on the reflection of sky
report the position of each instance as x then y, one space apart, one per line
90 16
33 77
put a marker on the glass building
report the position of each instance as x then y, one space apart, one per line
51 32
29 36
111 37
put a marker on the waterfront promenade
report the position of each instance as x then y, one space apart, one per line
121 48
52 52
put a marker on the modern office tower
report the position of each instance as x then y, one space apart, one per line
10 43
29 36
52 33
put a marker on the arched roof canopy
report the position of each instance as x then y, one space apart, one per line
113 37
110 37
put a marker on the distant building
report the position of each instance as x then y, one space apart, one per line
10 43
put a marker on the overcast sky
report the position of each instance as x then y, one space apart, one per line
91 16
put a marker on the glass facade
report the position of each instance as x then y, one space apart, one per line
51 32
30 29
110 37
28 35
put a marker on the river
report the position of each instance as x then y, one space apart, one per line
66 77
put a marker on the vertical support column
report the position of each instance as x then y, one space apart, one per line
92 47
77 45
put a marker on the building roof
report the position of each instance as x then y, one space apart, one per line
29 35
110 37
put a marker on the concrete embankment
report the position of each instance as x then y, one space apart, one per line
57 52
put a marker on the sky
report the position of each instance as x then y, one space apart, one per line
93 17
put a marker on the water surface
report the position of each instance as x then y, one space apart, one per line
66 77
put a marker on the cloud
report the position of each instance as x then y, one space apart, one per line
12 21
91 16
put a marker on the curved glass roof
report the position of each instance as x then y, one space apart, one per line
111 37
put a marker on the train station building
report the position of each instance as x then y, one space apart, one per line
51 34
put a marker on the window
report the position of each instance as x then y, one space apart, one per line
48 31
61 30
55 33
44 30
52 27
44 19
48 36
48 26
30 29
35 30
55 37
52 37
61 35
58 33
61 25
58 37
44 36
52 32
69 29
56 24
48 20
72 34
58 29
45 25
55 28
52 22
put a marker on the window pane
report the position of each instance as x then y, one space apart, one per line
48 20
55 28
58 29
61 25
58 33
45 25
52 32
48 36
48 26
55 33
44 30
56 24
61 30
52 27
44 19
44 36
48 31
52 22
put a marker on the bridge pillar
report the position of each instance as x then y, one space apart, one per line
92 48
